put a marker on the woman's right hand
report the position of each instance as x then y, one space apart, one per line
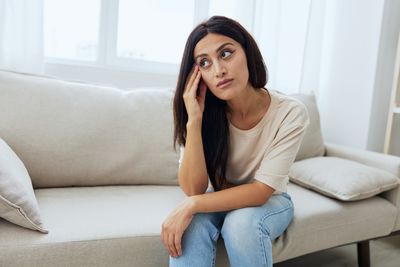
194 102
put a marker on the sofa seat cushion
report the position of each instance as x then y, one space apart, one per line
121 225
320 222
94 226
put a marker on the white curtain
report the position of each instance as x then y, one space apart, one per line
21 36
289 34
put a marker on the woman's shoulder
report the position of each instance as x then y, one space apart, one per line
287 102
289 107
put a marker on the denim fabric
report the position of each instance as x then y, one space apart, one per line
248 234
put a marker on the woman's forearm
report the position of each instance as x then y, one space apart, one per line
193 177
246 195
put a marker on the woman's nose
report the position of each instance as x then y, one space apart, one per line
219 69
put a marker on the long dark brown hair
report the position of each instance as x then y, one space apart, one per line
215 127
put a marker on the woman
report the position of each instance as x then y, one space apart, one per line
239 136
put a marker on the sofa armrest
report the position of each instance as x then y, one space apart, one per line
382 161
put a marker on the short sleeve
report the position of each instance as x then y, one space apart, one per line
280 155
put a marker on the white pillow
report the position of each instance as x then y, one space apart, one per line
17 200
340 178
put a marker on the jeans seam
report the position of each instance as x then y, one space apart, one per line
260 230
272 213
214 256
215 238
262 246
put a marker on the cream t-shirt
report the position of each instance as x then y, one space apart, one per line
266 151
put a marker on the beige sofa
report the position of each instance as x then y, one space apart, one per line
104 174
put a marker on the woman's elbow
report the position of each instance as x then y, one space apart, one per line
264 192
192 190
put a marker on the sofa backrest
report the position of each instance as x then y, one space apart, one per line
74 134
312 144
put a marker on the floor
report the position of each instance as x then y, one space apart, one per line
385 252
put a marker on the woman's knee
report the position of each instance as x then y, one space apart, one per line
240 224
252 222
202 224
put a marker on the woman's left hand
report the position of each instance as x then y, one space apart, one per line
175 225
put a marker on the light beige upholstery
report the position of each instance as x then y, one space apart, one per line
340 178
94 226
389 163
121 225
79 134
321 222
17 199
312 144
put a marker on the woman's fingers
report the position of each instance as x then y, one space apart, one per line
178 238
171 245
192 77
202 90
196 82
167 239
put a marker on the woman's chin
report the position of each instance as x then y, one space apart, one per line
226 95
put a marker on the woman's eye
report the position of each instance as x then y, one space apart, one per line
226 53
204 63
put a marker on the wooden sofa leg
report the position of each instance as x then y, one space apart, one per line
363 254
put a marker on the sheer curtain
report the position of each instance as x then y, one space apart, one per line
290 37
21 36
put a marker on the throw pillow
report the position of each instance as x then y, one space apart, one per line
340 178
18 203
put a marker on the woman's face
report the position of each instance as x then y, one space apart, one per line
223 65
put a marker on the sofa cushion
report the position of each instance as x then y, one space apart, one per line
99 226
75 134
320 223
111 226
341 178
312 144
17 200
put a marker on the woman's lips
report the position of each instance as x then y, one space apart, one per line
224 83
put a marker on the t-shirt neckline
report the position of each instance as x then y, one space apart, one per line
261 123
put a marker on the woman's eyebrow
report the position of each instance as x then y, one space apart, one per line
218 49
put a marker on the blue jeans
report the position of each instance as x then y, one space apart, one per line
248 234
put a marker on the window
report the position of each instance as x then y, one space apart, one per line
130 34
145 36
154 30
71 29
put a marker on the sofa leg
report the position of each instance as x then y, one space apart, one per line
363 254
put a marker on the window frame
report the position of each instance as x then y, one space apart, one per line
107 43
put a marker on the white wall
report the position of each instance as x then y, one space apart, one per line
354 92
384 78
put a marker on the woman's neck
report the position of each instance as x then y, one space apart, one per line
250 103
248 111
